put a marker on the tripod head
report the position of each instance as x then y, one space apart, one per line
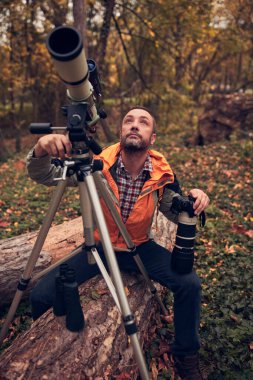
79 133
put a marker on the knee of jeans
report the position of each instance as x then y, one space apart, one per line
190 282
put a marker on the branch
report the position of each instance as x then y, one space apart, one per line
166 41
129 60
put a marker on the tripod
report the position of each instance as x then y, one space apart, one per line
90 180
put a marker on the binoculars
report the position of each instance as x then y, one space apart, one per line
67 300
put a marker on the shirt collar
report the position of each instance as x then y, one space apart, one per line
147 164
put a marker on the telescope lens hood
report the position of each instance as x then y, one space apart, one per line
64 43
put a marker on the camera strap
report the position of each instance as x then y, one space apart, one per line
202 219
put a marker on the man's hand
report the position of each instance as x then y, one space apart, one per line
54 145
201 200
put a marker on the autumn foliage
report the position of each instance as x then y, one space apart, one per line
171 56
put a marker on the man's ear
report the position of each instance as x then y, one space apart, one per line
153 138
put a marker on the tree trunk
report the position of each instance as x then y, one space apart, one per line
79 14
109 135
61 240
101 351
15 252
49 351
104 34
100 58
223 114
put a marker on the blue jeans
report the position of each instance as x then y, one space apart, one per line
157 261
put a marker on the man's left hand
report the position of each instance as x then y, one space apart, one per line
201 200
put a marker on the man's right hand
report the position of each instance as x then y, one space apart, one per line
54 145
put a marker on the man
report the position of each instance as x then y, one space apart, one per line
136 175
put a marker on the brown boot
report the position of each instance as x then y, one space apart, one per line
187 367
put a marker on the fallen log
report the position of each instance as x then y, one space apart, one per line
101 351
61 240
15 252
222 115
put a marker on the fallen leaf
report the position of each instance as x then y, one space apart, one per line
167 318
239 229
154 370
231 173
161 365
19 165
234 318
122 376
238 186
249 233
4 224
235 204
163 347
230 249
4 167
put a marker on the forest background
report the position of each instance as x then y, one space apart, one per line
173 57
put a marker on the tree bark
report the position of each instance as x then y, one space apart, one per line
101 49
222 115
15 252
104 34
79 14
49 351
101 351
61 240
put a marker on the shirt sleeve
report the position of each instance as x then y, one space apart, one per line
44 171
165 205
175 186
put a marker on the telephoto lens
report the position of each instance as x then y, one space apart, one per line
183 253
74 314
59 308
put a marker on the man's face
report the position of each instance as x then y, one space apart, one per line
137 131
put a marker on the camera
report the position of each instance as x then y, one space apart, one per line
182 258
181 203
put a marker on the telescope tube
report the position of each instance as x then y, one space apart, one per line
65 46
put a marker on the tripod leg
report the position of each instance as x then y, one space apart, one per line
106 276
105 193
86 211
24 281
128 318
56 264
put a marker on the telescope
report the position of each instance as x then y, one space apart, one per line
79 75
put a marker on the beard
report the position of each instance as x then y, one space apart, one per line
134 145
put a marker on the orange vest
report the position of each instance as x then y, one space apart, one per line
140 218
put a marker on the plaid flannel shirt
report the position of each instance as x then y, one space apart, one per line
129 188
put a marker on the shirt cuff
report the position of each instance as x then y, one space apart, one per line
31 158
